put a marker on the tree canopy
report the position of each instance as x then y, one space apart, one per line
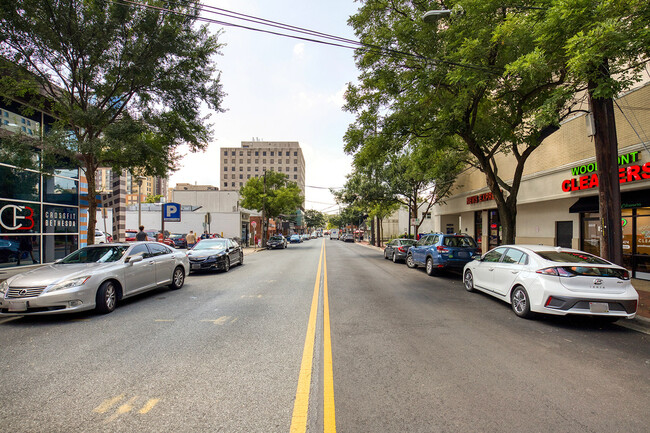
125 82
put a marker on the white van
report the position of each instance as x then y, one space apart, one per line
334 233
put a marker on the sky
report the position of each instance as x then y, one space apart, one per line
282 89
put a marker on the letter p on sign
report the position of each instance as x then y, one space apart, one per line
172 212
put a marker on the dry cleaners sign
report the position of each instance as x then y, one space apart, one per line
589 178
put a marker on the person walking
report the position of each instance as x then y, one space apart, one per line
191 239
141 235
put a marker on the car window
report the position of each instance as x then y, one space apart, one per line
140 250
459 241
235 244
433 240
158 250
423 241
571 257
513 256
494 255
407 242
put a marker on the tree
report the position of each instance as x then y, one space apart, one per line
480 79
314 218
125 82
151 198
273 195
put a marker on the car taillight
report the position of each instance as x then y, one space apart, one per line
442 249
558 272
402 249
625 275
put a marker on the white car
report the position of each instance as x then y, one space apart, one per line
553 280
100 237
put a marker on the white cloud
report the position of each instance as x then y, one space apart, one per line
299 50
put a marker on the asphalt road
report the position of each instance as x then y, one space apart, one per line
409 353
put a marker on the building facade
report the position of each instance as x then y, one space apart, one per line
558 198
253 158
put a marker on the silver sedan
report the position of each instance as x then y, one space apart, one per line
94 277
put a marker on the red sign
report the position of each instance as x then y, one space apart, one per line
625 174
480 198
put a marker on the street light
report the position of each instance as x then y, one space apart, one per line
432 16
139 180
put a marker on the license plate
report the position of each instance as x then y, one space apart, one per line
196 266
599 307
17 306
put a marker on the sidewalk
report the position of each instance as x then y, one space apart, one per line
642 287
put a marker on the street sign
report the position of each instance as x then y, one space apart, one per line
171 212
253 224
414 221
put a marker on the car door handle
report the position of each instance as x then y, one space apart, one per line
490 269
515 272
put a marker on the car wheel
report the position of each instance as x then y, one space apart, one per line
394 258
410 262
385 255
241 258
431 270
468 279
226 267
106 298
521 303
178 279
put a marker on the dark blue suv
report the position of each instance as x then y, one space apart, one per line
437 251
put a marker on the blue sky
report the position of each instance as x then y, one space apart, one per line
281 89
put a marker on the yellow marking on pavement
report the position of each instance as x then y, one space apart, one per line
234 320
149 405
107 404
220 321
329 418
251 296
163 320
125 408
301 403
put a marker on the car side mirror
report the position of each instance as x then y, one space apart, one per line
58 261
134 259
477 257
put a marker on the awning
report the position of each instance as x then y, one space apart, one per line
629 200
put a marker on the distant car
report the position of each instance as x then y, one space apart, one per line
179 240
397 249
130 235
438 251
348 237
210 254
100 237
295 239
305 237
9 250
553 280
94 277
277 241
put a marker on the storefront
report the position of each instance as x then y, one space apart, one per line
39 215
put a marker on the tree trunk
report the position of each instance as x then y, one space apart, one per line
372 231
609 190
92 204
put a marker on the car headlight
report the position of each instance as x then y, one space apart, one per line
4 287
74 282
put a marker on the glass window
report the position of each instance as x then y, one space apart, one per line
158 250
272 153
494 255
513 256
643 235
19 184
59 219
19 218
19 250
264 153
60 190
140 250
58 246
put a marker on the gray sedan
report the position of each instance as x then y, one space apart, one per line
397 249
96 276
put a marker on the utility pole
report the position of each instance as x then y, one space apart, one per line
264 222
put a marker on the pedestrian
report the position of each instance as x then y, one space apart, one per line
26 245
191 239
141 235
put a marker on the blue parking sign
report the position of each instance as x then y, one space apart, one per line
172 212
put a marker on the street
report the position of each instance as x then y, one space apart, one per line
392 350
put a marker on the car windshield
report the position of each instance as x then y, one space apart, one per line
571 257
276 238
211 244
131 233
176 236
408 241
96 255
459 241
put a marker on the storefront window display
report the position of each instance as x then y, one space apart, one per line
19 250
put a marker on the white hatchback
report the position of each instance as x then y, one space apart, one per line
553 280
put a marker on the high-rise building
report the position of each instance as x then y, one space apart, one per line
253 158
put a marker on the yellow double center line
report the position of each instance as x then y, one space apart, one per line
301 404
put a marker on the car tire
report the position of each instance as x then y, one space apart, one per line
394 258
106 298
241 258
410 262
468 280
385 255
520 302
226 267
178 278
431 271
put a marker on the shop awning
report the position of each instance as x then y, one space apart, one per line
629 200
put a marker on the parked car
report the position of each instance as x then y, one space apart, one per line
305 237
218 253
295 239
100 237
276 241
130 235
179 240
347 237
397 249
96 276
438 251
553 280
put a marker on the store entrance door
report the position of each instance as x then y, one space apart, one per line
564 233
